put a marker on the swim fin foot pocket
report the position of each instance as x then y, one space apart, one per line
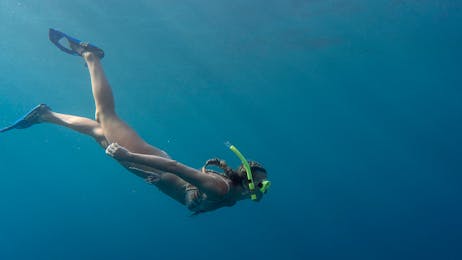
30 118
71 45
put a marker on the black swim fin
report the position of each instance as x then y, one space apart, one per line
74 46
29 119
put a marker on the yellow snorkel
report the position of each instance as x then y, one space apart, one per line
263 186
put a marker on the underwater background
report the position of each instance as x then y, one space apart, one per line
354 107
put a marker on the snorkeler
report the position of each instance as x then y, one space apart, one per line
200 190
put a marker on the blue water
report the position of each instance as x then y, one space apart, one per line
353 106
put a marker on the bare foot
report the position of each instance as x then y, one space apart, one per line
89 56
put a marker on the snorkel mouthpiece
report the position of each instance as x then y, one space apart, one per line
264 185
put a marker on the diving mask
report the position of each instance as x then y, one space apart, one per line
262 186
